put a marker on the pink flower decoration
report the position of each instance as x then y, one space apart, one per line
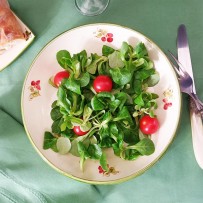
100 169
111 170
104 35
34 89
36 84
109 37
166 104
103 39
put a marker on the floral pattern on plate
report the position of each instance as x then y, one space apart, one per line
34 89
167 100
104 35
111 170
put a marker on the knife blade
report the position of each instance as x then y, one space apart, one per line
196 120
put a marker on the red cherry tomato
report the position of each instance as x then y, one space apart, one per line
60 76
149 125
78 131
102 83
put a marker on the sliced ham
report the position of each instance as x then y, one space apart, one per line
10 29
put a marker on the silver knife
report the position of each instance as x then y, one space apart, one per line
196 120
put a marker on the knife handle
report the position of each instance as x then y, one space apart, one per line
197 136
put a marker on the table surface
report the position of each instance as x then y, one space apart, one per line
25 177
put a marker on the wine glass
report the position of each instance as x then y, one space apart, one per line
91 7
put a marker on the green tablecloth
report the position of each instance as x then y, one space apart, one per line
25 177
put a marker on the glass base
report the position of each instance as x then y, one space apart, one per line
91 7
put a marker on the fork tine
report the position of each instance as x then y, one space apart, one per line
179 64
175 67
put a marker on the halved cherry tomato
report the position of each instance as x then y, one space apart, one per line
60 76
78 131
102 83
149 125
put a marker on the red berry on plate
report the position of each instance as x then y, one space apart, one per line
169 104
33 83
38 87
109 35
103 39
109 39
100 169
165 106
37 82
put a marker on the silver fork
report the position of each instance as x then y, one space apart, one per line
186 85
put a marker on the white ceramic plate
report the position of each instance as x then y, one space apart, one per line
17 48
36 107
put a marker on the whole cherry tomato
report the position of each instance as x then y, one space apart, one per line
78 131
102 83
149 125
60 76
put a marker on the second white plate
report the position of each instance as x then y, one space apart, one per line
20 45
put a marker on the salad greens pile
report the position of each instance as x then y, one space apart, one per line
111 119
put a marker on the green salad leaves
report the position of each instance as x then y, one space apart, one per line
110 119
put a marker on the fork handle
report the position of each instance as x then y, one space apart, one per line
197 136
195 108
197 101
